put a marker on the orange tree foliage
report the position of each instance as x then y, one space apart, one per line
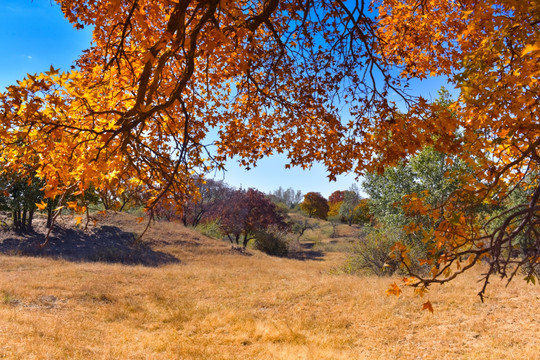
336 197
490 50
333 208
316 205
274 76
335 200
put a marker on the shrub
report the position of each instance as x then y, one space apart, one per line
371 253
272 242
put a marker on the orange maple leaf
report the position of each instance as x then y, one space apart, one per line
41 206
427 306
393 290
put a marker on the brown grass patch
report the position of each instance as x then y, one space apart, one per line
218 305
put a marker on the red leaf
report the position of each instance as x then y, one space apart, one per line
427 306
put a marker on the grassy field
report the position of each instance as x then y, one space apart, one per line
217 304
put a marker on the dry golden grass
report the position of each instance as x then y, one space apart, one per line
220 305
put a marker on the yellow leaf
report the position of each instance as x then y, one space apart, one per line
406 260
420 291
140 219
41 206
530 48
72 204
466 14
79 219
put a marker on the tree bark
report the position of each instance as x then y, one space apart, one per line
23 219
49 215
30 219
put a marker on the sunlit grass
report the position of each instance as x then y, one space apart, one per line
250 307
220 305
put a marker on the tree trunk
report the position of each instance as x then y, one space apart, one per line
17 218
334 230
23 219
30 219
197 219
49 215
124 202
105 203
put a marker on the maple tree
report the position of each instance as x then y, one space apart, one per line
335 200
347 206
336 197
363 213
161 74
246 213
275 76
490 51
316 205
207 204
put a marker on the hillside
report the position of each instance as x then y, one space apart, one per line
193 298
111 239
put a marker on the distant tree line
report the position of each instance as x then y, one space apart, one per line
343 206
290 197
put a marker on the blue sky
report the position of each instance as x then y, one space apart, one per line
35 36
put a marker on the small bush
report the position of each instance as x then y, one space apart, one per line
272 242
371 253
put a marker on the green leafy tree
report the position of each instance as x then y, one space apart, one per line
349 207
19 196
427 180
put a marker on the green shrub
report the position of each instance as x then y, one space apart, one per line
372 252
272 242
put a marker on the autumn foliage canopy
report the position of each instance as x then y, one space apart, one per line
321 81
315 205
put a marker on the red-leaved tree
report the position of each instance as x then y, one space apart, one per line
247 212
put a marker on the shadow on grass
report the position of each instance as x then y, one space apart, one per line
306 252
104 244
